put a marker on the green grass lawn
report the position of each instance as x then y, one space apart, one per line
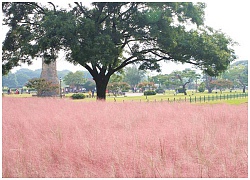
168 96
230 101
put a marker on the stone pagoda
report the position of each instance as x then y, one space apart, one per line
49 73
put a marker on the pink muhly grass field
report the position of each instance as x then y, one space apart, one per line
46 137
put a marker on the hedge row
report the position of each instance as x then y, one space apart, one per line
78 96
148 93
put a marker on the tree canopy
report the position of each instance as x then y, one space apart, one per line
108 36
74 79
238 74
182 78
132 76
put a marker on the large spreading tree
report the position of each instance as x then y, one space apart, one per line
107 36
238 74
182 78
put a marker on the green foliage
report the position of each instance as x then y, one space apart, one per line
161 79
43 87
78 96
117 77
149 93
89 85
74 79
181 90
222 84
184 77
21 77
97 37
118 86
238 74
63 73
144 85
9 80
160 91
202 87
133 76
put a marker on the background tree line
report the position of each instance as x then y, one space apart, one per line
22 76
235 77
131 78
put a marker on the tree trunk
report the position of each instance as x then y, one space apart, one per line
184 89
101 86
208 81
244 89
209 89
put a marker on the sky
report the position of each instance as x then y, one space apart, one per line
231 17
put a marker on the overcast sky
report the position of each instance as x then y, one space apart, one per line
232 17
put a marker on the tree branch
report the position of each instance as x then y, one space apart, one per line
130 8
53 6
90 70
82 9
35 4
100 22
79 6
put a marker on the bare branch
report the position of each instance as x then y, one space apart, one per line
53 6
80 6
36 5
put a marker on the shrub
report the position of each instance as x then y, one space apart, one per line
44 88
181 90
78 96
201 87
148 93
160 91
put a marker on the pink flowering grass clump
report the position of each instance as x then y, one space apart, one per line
46 137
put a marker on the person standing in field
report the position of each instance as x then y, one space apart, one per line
93 93
89 94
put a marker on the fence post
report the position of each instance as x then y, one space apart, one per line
195 99
204 98
190 99
200 98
